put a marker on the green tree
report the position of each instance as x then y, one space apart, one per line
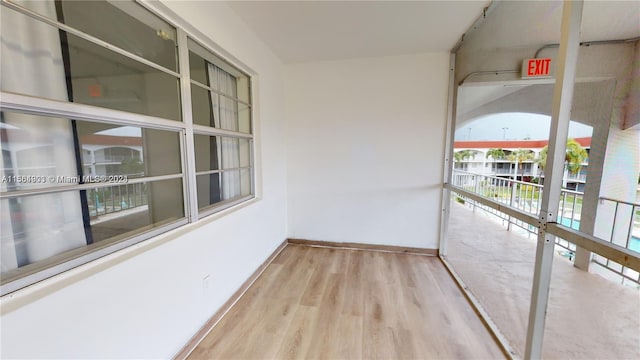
131 167
520 156
496 154
463 155
541 160
574 157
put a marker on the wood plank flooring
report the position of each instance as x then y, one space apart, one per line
320 303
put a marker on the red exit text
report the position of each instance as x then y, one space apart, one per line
536 67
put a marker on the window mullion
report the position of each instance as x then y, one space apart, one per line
205 130
216 91
40 106
215 107
190 187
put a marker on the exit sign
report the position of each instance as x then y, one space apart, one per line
533 68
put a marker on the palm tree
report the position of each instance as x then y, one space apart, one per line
463 155
496 154
520 156
575 156
542 158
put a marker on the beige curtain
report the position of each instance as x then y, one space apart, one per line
36 227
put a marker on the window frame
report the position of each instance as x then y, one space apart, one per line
27 275
202 130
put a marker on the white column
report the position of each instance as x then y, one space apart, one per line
589 211
560 117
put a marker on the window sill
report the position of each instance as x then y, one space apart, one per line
22 297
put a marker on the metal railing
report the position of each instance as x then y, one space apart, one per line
579 177
502 171
527 197
106 200
620 225
520 195
114 158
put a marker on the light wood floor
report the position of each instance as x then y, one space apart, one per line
347 304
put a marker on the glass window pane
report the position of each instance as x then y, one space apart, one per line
202 106
208 190
244 89
124 24
36 150
233 115
219 111
236 184
129 150
233 87
244 152
228 114
40 151
244 118
207 149
35 228
43 62
122 210
106 79
220 152
213 77
230 153
40 227
235 153
245 182
198 68
223 81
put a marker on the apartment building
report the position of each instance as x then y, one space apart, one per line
478 160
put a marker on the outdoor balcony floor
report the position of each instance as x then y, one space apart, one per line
588 317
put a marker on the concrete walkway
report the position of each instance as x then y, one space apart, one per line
588 317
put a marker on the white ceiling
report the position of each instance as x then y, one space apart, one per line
518 24
506 27
604 20
304 31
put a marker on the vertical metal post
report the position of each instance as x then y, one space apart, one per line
448 159
615 221
630 231
560 116
476 189
573 209
512 199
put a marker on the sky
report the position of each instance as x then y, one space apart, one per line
131 131
515 126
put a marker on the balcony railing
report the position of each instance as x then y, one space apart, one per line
527 198
116 198
114 158
578 177
620 226
502 171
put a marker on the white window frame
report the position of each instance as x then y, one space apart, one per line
58 264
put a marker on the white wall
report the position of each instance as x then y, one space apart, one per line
365 140
150 304
632 110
